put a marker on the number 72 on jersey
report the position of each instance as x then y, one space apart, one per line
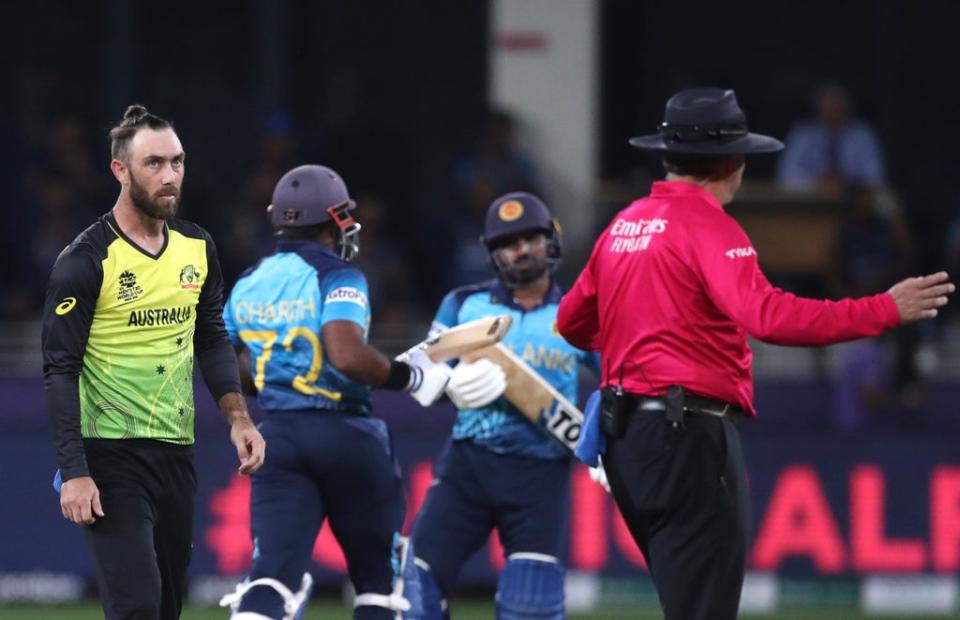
305 384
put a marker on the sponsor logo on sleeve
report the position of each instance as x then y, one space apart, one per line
347 294
65 306
740 252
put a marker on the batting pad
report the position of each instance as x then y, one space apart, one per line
530 586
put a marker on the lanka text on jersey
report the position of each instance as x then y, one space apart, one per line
533 336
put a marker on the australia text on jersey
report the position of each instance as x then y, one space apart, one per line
159 316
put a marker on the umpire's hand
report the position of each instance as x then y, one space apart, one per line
919 298
80 500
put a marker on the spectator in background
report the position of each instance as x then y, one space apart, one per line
57 186
497 167
611 194
246 237
68 153
392 292
57 205
952 239
38 240
833 149
873 248
864 386
873 243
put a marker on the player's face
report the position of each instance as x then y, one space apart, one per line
156 169
523 256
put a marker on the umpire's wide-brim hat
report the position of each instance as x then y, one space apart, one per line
706 121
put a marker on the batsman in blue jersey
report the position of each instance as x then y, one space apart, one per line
499 470
300 319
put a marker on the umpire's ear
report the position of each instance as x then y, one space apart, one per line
121 171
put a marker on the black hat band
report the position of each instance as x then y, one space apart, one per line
674 132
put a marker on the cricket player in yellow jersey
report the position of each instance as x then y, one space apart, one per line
129 304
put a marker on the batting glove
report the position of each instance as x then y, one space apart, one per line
427 379
476 384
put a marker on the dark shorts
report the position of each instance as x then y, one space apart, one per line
324 465
142 544
475 490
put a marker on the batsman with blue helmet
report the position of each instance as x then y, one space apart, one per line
499 470
300 319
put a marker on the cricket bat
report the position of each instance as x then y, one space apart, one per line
461 339
533 395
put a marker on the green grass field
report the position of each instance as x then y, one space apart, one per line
337 611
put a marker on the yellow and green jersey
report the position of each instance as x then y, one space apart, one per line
120 330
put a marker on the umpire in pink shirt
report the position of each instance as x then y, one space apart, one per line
670 293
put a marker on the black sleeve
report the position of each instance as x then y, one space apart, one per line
71 297
212 346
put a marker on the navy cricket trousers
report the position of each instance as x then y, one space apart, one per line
526 499
331 465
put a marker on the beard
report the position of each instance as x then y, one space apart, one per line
523 271
159 206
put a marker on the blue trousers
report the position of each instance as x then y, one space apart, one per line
324 465
526 499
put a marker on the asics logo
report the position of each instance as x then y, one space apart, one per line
65 306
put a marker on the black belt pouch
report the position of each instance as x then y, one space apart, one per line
675 404
615 406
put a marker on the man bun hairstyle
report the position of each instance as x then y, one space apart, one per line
136 117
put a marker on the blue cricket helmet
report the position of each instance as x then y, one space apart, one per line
304 195
514 214
310 195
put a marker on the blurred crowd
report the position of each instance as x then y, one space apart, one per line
60 183
65 184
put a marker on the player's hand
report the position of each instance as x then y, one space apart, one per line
919 298
80 500
251 448
427 379
476 384
599 475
